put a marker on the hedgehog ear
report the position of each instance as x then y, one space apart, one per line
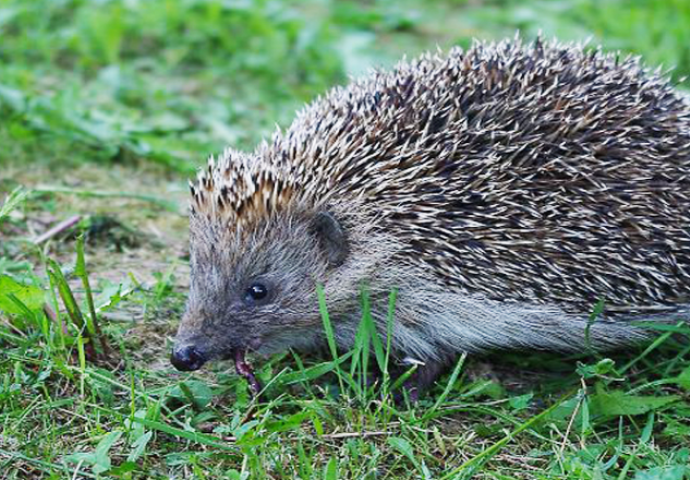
331 237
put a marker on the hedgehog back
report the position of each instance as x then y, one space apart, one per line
542 173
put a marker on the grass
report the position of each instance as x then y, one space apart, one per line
107 106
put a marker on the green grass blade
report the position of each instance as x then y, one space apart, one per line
81 272
449 386
330 334
469 467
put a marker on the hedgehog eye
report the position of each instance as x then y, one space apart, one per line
256 293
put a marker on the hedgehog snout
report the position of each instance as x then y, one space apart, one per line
187 358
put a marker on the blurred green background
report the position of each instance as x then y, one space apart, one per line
107 105
173 80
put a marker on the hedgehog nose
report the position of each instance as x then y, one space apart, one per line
187 358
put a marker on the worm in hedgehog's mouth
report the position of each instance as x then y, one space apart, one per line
245 369
189 358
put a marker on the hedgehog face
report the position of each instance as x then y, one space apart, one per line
257 291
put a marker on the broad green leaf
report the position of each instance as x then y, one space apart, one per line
331 471
684 379
82 457
112 294
404 447
124 468
11 291
563 412
602 367
139 446
520 402
618 403
243 429
194 391
98 459
102 459
676 472
236 475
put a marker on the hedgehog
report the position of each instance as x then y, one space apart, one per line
503 191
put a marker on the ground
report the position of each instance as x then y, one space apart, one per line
108 107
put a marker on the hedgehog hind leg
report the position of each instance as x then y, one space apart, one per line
422 378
